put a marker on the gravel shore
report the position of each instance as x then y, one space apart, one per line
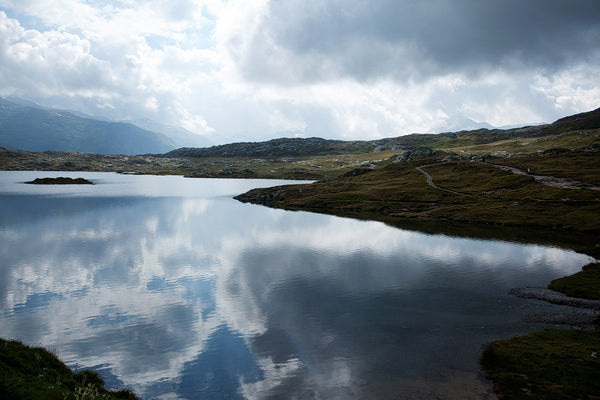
583 319
551 296
577 319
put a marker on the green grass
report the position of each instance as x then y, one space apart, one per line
551 364
475 178
306 168
584 284
580 166
28 373
489 196
530 145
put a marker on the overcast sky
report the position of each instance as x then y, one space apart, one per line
259 69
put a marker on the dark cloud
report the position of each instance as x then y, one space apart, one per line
303 41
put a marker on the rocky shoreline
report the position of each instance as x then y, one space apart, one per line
584 319
575 319
540 293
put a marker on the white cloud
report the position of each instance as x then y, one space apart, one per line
257 69
50 62
573 89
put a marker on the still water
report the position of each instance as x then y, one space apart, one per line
169 287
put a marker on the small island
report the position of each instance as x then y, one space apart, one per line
61 180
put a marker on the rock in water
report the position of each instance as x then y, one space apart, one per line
60 181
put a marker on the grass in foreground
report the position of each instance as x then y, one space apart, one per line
584 284
551 364
35 373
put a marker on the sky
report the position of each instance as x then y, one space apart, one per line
250 70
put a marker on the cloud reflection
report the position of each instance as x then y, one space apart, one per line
330 304
83 284
149 289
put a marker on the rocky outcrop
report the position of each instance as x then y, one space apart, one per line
262 196
420 153
356 172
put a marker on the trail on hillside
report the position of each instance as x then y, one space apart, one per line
552 181
433 185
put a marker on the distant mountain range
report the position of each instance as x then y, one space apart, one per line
296 147
28 126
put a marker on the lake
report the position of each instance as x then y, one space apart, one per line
168 286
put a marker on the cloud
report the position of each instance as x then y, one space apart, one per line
388 68
404 40
257 69
103 64
293 320
50 62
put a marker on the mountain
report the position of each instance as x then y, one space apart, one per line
27 127
180 136
454 124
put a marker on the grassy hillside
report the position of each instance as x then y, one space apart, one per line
317 167
466 191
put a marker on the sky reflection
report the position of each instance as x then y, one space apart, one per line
189 297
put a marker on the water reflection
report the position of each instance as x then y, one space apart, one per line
343 309
204 297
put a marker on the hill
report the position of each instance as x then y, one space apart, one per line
549 179
321 159
300 147
283 147
25 127
546 193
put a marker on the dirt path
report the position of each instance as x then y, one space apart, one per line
433 185
552 181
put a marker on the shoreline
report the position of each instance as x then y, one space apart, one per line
554 362
551 296
583 318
